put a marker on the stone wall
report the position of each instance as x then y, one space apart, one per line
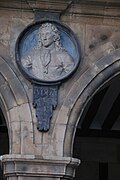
98 31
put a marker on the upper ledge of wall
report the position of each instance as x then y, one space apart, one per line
104 8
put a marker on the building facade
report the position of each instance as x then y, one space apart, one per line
84 129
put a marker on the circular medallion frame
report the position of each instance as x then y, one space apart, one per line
27 44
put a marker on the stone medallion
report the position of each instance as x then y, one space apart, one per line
47 53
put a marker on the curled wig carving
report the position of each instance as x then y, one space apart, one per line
55 32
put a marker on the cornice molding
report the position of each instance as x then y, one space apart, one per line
67 7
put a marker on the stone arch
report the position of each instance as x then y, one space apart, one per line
15 105
83 89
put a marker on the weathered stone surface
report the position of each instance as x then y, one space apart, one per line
27 146
97 27
99 35
15 85
15 137
17 26
6 94
5 31
20 121
47 167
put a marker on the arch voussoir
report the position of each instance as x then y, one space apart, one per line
82 90
15 106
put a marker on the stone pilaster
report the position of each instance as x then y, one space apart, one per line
31 167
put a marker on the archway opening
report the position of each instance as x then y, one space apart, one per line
4 139
97 138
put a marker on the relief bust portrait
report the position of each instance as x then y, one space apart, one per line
49 60
47 53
